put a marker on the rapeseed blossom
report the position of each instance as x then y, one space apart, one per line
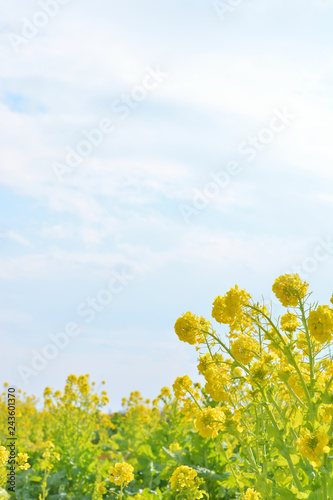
185 480
230 307
190 328
288 288
289 322
22 461
209 422
245 348
251 494
320 324
313 444
121 474
4 455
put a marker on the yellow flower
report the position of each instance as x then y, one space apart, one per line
185 479
101 490
95 399
72 379
209 422
232 420
287 288
285 371
22 461
82 383
165 392
189 409
174 447
259 372
218 379
4 455
104 400
252 495
121 474
296 384
182 386
244 349
204 362
302 342
227 308
289 322
311 445
189 328
49 444
320 323
326 413
182 477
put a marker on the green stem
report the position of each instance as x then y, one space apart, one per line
290 355
285 449
299 401
196 402
227 350
328 385
311 360
324 479
229 463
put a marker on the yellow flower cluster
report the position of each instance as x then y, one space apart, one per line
174 447
4 455
313 444
245 348
191 328
101 490
259 372
229 309
216 371
251 494
326 413
188 393
182 386
218 379
49 456
320 324
121 474
185 480
289 322
276 373
209 422
22 461
288 288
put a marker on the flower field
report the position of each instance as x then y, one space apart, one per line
258 426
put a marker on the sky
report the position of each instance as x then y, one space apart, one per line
153 155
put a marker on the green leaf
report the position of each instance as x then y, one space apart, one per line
35 479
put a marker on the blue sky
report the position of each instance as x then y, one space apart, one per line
122 209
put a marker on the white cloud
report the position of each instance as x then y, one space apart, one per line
12 235
121 206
